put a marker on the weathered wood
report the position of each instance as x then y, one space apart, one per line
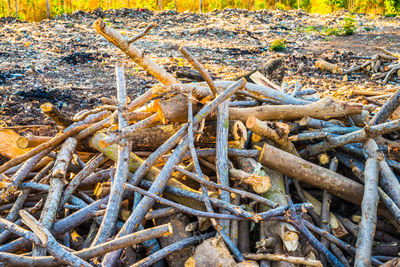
368 207
31 141
175 109
354 137
73 185
124 133
197 65
222 155
310 173
387 109
50 243
58 173
388 180
162 179
113 206
56 115
135 54
282 257
52 143
323 109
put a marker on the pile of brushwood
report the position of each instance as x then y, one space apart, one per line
380 66
205 174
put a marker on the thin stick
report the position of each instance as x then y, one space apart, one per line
387 109
128 131
354 137
368 220
281 257
239 192
180 207
142 34
121 174
162 253
325 209
73 185
199 67
56 115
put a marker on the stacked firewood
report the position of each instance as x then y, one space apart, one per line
203 174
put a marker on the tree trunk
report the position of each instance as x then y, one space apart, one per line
16 9
48 8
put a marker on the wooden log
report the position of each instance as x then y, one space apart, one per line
267 92
125 132
31 141
282 230
369 209
275 131
175 109
323 109
316 123
222 155
57 116
85 113
93 118
52 143
310 173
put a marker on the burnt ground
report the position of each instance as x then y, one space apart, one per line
65 62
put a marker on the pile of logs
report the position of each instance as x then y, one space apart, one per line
214 173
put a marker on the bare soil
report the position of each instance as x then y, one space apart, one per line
65 62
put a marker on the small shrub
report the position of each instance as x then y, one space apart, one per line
349 25
331 31
280 6
278 45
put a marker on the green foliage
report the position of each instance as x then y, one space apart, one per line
331 31
278 45
349 25
36 9
280 6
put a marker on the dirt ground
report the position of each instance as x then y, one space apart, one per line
65 62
